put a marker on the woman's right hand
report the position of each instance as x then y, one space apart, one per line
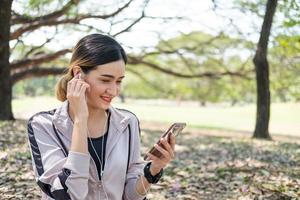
76 95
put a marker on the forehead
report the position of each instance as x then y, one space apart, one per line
116 69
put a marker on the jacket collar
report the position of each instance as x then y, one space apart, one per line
63 122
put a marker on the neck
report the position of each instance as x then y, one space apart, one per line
94 114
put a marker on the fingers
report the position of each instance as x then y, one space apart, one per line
151 157
74 86
77 86
83 88
167 146
71 84
166 154
172 141
166 149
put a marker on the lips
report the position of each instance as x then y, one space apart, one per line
106 99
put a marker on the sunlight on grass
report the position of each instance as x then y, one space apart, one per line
285 118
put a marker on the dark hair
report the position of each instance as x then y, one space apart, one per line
89 52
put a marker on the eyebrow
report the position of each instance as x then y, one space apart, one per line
111 76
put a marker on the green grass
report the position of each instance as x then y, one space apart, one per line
26 107
285 118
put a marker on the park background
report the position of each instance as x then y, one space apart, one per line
229 69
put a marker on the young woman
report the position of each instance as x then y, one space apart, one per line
87 149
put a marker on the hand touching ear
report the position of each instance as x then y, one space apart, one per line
76 95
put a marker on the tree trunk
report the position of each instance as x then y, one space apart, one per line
5 79
262 75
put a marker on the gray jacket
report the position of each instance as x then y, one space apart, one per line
72 175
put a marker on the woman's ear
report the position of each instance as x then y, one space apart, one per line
76 70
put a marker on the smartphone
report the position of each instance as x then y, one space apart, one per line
174 129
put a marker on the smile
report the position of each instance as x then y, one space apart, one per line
106 99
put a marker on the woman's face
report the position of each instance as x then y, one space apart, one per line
105 84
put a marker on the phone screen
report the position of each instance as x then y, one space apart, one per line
175 129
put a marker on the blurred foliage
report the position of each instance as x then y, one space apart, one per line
291 10
220 54
35 87
288 11
285 68
34 8
196 53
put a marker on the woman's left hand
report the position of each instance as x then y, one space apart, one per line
167 151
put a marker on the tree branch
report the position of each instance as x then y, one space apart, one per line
130 26
20 19
154 86
36 72
36 61
136 61
34 48
53 21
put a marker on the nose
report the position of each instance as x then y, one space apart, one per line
112 90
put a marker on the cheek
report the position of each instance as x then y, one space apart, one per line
97 88
119 88
94 93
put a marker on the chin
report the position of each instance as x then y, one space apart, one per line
99 105
104 107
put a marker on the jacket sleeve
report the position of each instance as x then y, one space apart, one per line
136 164
58 176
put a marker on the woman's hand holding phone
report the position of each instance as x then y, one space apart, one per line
163 151
76 95
166 147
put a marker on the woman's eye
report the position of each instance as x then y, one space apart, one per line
105 81
119 82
